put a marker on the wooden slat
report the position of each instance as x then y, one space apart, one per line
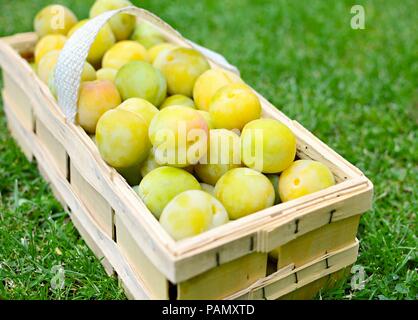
99 208
20 102
55 149
318 242
288 279
21 140
145 271
226 279
22 43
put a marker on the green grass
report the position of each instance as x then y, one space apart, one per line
355 89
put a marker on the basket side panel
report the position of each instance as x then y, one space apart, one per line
144 269
225 279
294 226
91 243
53 147
309 291
13 124
21 104
317 243
99 208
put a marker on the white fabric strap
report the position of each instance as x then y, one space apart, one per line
71 60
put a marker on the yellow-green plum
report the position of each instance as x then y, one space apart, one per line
47 64
206 116
147 35
104 41
156 50
178 100
304 177
233 106
149 164
208 188
122 138
179 136
162 184
54 19
95 98
47 44
191 213
89 74
267 146
34 66
209 83
274 179
181 67
140 106
244 191
124 52
132 174
223 155
123 24
106 74
139 79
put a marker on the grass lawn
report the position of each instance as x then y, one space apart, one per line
355 89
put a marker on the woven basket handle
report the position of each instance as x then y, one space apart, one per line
71 60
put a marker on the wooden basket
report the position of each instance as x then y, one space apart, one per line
314 237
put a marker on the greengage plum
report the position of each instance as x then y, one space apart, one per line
156 50
47 44
209 83
139 79
208 188
206 116
304 177
233 106
244 191
147 35
181 67
107 74
88 74
274 179
267 145
140 106
95 98
191 213
54 19
162 184
149 164
122 138
179 136
122 53
178 100
104 41
223 155
47 64
123 24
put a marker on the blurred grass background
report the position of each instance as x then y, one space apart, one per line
355 89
